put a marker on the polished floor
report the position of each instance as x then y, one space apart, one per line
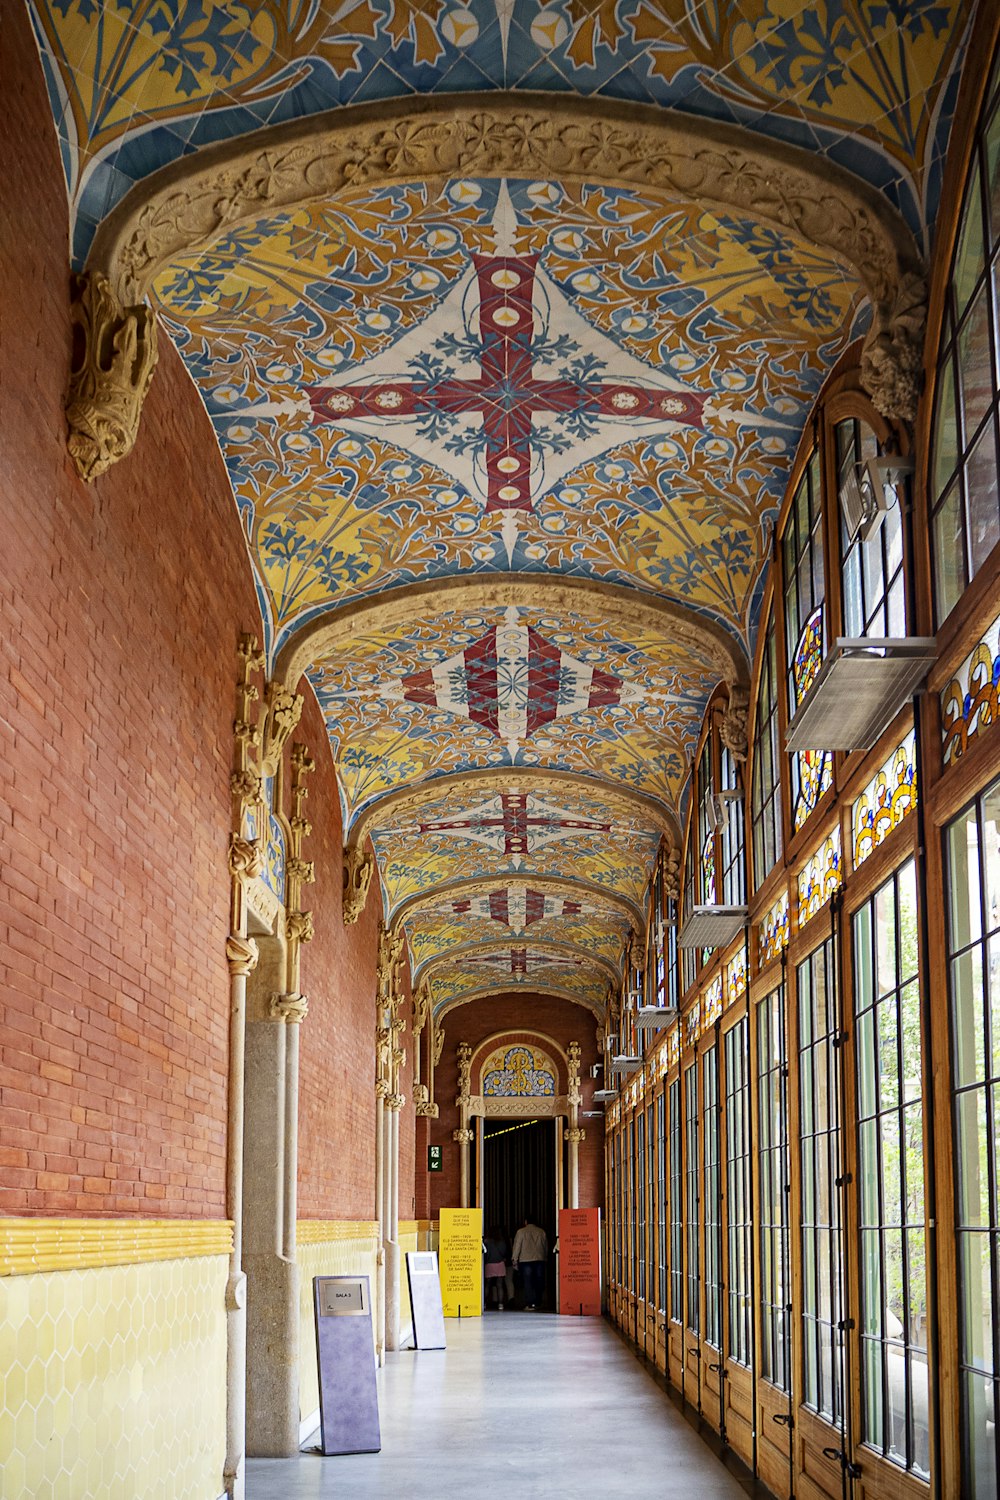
520 1404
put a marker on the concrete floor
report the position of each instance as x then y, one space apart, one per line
519 1405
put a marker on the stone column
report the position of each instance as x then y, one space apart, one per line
574 1134
270 1200
241 955
463 1135
381 1090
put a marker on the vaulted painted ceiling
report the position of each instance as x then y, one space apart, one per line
506 446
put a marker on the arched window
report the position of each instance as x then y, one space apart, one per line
964 477
805 629
765 795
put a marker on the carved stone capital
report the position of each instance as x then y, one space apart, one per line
463 1137
426 1110
382 1088
289 1008
299 925
246 858
114 356
359 867
395 1101
246 785
576 1135
301 869
420 1095
241 954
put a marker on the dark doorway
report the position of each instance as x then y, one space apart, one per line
519 1178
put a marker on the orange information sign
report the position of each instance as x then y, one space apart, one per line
580 1261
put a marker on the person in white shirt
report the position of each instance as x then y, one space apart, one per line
531 1249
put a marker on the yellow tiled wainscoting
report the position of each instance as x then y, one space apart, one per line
113 1375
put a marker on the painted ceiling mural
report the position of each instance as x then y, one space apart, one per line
511 376
421 389
513 687
136 84
516 910
578 835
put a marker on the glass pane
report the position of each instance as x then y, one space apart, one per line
979 1405
945 429
970 256
968 1018
949 551
975 362
992 145
982 486
963 881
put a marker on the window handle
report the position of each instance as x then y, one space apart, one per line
783 1420
838 1456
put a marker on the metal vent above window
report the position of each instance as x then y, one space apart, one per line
605 1096
623 1066
859 689
711 926
654 1017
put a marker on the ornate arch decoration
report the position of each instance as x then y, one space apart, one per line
187 205
511 1036
472 951
557 884
612 603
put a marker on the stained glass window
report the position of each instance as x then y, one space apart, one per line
765 794
964 474
886 800
713 1002
820 877
736 975
692 1023
971 700
772 934
805 594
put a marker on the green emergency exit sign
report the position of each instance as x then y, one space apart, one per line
433 1158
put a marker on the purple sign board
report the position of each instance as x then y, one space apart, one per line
348 1398
425 1299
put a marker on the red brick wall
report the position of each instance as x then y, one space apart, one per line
121 603
547 1015
337 1045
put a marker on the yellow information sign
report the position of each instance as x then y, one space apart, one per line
460 1256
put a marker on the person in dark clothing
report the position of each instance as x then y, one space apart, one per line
496 1266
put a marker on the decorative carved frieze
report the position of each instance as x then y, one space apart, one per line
114 355
292 1009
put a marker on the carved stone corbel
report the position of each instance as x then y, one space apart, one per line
576 1135
292 1009
463 1137
733 728
892 354
114 356
359 867
672 874
438 1043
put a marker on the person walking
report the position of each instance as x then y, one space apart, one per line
531 1249
496 1266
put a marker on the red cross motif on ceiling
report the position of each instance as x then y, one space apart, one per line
513 682
515 824
516 907
507 393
